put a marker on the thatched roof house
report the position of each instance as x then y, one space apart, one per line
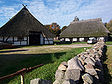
24 27
85 29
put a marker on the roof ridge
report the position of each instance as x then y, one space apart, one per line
85 28
88 20
23 22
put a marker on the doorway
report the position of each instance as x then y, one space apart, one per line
34 38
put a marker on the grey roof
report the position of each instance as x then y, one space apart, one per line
85 28
22 23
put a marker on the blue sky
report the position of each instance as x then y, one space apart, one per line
60 11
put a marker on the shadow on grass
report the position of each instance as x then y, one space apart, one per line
7 51
14 62
107 77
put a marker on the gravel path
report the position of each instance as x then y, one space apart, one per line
109 45
43 49
71 46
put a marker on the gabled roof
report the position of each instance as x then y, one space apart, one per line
22 23
85 28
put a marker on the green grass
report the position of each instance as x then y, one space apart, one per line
79 43
56 41
109 43
108 66
51 62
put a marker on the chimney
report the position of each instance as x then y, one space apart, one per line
76 19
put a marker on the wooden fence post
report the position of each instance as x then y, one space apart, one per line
21 73
22 78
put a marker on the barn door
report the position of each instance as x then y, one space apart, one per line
34 38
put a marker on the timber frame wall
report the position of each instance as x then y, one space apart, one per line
25 40
82 39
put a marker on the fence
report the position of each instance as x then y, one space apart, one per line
21 72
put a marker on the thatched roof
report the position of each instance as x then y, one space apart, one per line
85 28
22 23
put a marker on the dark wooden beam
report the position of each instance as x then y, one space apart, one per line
13 40
7 38
27 40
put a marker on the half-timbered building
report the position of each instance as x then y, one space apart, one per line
25 29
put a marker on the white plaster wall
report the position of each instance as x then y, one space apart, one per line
48 38
16 43
81 39
23 42
74 39
20 43
67 39
41 39
25 38
46 42
92 38
50 41
101 38
62 39
5 38
10 39
15 38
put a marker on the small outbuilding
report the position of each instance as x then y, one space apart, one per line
83 30
25 29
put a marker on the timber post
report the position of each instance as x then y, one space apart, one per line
22 78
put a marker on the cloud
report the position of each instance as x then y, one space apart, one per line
62 11
6 13
97 9
59 12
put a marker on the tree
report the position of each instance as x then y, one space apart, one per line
64 27
54 28
109 26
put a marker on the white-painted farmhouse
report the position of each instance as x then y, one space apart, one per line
25 29
84 30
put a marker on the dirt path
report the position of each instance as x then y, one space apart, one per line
43 49
109 45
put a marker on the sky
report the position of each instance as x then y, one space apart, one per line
60 11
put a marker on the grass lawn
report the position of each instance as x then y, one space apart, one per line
79 43
10 63
108 66
109 43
